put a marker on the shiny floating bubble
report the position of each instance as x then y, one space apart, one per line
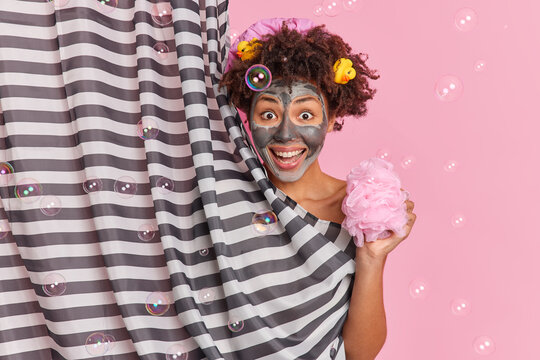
484 345
479 65
125 187
59 3
263 221
331 7
458 220
106 6
466 19
350 5
460 307
96 344
6 168
236 325
54 284
50 205
176 352
451 166
258 77
448 88
4 228
147 129
110 340
157 303
92 185
146 232
383 154
161 50
162 13
418 289
233 35
318 10
165 185
204 252
206 296
408 161
28 190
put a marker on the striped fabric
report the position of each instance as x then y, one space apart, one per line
126 240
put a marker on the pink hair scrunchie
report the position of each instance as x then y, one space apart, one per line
267 26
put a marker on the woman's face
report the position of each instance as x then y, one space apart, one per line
289 128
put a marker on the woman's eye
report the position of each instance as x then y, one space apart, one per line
268 115
306 115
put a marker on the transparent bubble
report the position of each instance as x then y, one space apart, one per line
147 129
106 6
318 10
258 77
484 345
204 252
28 190
161 50
451 166
50 205
59 3
96 344
407 161
176 352
233 35
350 5
206 296
54 284
165 185
466 19
157 303
263 221
4 228
448 88
110 340
458 220
92 185
418 289
125 187
331 7
146 232
162 13
479 65
6 168
383 154
236 325
460 307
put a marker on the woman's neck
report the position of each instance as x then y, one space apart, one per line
309 187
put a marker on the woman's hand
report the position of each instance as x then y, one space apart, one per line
379 249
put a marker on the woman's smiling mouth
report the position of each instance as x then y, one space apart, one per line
287 158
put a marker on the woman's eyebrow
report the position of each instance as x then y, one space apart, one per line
269 99
305 99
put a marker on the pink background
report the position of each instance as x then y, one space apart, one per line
491 131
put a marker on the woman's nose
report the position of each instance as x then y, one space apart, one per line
286 131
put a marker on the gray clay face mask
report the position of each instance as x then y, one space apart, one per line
288 128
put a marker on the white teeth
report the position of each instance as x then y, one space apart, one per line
288 154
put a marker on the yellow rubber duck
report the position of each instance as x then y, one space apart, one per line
344 71
247 50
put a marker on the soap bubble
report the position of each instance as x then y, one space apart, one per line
484 345
162 13
383 154
258 77
418 289
106 6
479 65
318 10
176 352
161 50
460 307
236 325
350 5
6 168
97 344
204 252
125 187
165 185
50 205
448 88
206 296
466 19
157 303
263 221
407 161
146 232
458 220
54 284
28 190
331 7
451 166
92 184
147 129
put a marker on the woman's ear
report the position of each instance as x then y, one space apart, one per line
331 124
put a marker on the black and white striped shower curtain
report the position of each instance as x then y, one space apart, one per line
137 222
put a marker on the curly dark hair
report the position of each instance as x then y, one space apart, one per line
292 56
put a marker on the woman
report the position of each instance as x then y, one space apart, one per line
289 121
